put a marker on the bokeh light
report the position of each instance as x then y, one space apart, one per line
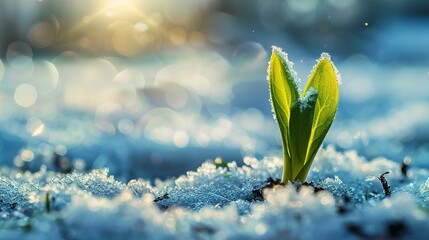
35 126
42 34
19 55
25 95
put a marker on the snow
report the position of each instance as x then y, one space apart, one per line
218 202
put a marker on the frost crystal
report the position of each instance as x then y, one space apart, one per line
309 96
327 56
288 65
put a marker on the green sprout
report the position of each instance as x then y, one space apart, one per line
304 118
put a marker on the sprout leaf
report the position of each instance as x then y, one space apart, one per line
303 120
283 91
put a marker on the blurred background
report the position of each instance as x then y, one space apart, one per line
154 88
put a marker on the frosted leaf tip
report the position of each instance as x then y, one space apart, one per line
325 55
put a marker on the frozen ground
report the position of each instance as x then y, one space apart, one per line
346 201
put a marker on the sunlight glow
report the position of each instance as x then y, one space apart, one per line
128 29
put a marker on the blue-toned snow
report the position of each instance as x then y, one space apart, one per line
216 202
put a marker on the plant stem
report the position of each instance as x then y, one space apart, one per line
287 165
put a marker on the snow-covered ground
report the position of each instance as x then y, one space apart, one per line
346 200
